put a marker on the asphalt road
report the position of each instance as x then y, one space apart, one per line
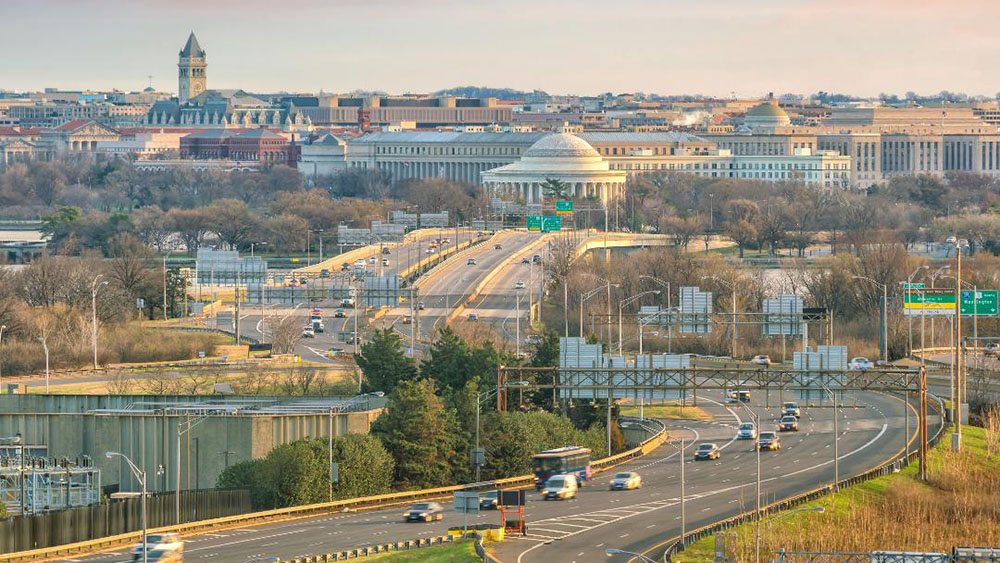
581 529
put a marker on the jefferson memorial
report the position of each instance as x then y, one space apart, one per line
559 156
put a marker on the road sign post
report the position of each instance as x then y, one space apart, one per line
466 502
534 222
551 223
564 207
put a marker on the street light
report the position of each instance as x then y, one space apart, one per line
884 345
733 335
140 475
836 434
608 285
2 327
956 437
480 399
45 346
93 305
909 319
16 440
937 273
641 557
625 303
670 325
756 515
583 299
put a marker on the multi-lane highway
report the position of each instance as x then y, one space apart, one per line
640 520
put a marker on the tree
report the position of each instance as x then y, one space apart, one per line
233 221
742 232
152 226
191 224
553 188
384 363
448 361
420 434
130 262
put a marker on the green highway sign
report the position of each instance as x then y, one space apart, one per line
551 223
534 223
564 207
920 285
981 302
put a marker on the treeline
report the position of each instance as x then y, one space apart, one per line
424 436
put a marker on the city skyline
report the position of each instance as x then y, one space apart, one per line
730 47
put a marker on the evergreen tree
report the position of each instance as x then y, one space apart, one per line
420 433
448 363
384 363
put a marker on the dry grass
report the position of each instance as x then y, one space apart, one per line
958 506
667 411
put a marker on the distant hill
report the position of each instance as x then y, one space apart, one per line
485 92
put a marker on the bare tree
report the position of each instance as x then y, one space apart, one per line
118 381
285 332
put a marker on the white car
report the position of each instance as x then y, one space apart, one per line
860 363
762 360
747 431
308 332
626 481
519 285
162 547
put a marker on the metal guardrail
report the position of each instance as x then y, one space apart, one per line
376 501
886 468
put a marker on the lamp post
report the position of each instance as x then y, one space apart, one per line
607 285
625 303
733 335
756 515
884 321
319 234
670 326
2 327
16 440
45 346
480 399
937 273
93 308
517 323
181 430
909 319
140 475
959 387
836 434
583 300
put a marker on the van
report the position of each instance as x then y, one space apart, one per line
560 487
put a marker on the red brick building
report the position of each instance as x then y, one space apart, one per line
254 145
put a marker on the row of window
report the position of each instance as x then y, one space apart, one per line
729 166
471 151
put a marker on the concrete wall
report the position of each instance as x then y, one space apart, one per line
150 440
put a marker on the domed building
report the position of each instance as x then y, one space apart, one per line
766 116
559 156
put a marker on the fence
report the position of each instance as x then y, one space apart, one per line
887 468
957 555
117 517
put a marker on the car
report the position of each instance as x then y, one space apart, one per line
560 487
490 500
345 266
303 281
385 250
761 360
533 339
407 320
371 259
625 481
470 262
536 259
769 441
732 396
707 451
747 431
497 247
525 260
420 305
743 396
788 423
424 512
429 251
385 261
473 317
324 273
351 339
162 548
519 285
791 408
860 363
991 349
339 314
308 332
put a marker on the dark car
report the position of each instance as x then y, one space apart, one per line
707 451
420 306
525 260
497 247
489 501
424 512
769 441
536 258
788 423
339 314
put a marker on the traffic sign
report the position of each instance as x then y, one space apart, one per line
928 303
564 207
914 285
466 502
551 223
981 302
534 223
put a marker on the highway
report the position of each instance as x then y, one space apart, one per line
581 529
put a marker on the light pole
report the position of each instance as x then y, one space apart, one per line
959 388
670 326
836 434
583 299
937 273
45 346
625 303
733 335
16 440
480 399
319 233
2 327
884 337
93 308
517 323
607 285
909 318
140 475
181 430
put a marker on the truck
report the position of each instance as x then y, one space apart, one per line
347 302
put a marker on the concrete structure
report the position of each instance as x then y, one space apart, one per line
383 110
766 117
223 431
323 156
192 77
262 146
559 156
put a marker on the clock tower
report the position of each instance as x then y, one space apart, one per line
191 79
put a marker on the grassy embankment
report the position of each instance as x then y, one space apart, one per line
461 552
668 411
959 505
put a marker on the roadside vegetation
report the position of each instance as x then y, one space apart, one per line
959 506
459 552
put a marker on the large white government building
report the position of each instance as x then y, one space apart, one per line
479 157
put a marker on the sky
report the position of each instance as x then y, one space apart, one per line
711 47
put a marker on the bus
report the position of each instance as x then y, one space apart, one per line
570 459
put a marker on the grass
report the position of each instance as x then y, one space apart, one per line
668 411
461 552
959 505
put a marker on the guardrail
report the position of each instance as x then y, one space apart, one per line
410 274
376 501
888 467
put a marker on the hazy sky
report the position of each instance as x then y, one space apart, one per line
713 47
